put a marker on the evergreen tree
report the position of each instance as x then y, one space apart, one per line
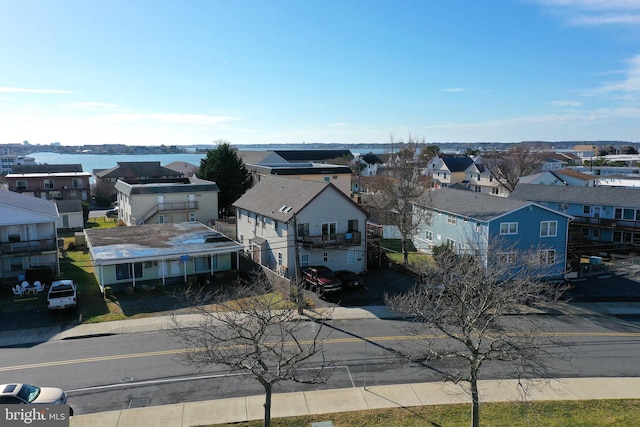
226 169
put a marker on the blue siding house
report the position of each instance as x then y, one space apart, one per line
489 226
609 217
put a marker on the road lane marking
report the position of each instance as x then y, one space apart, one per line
329 341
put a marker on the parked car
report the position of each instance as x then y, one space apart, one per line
350 280
62 294
112 213
19 393
322 280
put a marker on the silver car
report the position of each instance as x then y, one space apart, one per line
18 393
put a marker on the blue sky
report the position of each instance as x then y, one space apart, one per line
193 72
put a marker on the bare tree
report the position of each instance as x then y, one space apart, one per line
466 299
246 328
394 194
518 160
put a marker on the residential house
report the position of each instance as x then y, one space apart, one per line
185 168
340 176
52 182
479 179
286 223
133 172
255 157
448 170
474 223
158 254
175 200
28 236
313 156
559 177
605 216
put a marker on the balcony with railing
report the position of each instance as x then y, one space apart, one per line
28 247
352 238
626 224
169 207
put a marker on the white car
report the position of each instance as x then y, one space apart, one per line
18 393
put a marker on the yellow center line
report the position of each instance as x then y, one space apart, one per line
329 341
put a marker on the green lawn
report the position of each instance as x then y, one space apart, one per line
579 413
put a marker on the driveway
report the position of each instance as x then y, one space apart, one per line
378 283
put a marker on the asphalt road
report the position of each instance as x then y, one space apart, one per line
121 371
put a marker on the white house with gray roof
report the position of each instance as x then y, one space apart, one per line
475 223
281 217
28 236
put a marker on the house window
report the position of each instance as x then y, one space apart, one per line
478 227
451 243
328 230
242 238
353 225
508 228
495 191
327 179
77 183
21 184
162 219
192 216
351 256
279 258
48 184
428 236
202 264
490 178
507 257
548 228
123 271
303 230
451 219
16 264
304 260
595 233
325 256
586 209
275 225
547 257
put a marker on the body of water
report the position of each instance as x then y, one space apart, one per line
90 162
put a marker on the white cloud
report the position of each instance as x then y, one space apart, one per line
595 12
629 85
453 89
25 90
565 103
90 104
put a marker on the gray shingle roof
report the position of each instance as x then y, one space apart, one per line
134 170
471 204
68 206
272 193
602 196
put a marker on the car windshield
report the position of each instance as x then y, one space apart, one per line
28 392
327 274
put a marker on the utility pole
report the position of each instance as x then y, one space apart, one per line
296 273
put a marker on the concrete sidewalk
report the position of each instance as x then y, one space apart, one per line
155 323
323 403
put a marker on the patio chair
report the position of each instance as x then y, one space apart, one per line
24 285
17 290
39 286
